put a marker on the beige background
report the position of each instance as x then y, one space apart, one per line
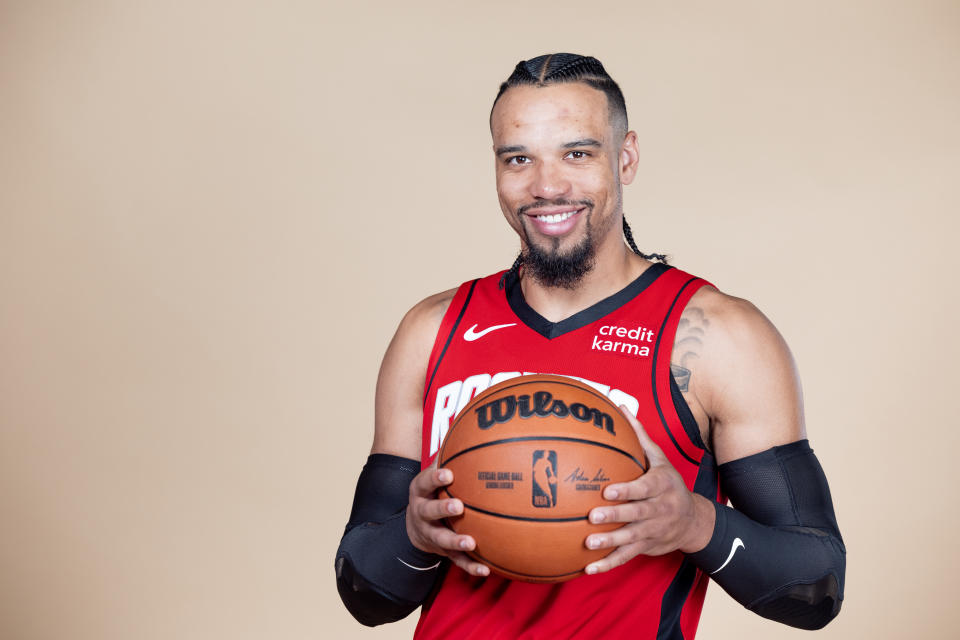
213 215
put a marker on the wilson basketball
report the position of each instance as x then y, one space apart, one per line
530 458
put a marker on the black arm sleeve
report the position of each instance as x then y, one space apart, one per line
779 553
381 576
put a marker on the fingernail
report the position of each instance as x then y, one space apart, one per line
452 507
464 544
591 569
597 516
483 571
611 494
594 542
444 475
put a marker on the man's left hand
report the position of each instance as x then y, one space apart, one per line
661 514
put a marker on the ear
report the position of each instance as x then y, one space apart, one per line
629 157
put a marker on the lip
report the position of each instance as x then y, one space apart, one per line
554 228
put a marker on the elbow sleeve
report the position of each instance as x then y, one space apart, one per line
779 553
381 576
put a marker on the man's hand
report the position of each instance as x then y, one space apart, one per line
662 515
425 527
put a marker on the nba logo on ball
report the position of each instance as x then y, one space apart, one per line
544 478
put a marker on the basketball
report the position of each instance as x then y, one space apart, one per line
530 458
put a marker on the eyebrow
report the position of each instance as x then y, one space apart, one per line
519 148
585 142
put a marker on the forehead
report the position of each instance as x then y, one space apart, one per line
555 110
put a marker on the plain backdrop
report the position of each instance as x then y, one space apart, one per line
214 214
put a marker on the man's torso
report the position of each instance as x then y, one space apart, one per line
621 346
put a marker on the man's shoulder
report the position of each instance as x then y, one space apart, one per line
726 313
733 337
426 315
430 310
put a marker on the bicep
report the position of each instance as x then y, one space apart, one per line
755 399
398 404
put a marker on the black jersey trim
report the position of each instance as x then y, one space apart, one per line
453 331
686 415
656 353
580 319
675 597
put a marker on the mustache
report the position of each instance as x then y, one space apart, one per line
540 204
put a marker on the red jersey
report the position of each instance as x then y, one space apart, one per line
622 347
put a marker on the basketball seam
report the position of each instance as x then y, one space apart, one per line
483 559
497 514
543 439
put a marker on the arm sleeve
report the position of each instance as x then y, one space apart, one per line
779 552
381 576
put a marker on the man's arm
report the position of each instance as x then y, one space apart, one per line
390 553
740 376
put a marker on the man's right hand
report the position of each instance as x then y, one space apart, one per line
425 526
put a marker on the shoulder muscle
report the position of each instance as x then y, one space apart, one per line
746 379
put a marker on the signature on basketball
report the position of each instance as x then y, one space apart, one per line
587 482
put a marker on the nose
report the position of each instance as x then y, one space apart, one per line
549 181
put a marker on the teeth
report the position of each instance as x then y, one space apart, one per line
559 217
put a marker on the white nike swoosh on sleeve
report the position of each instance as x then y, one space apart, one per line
433 566
737 543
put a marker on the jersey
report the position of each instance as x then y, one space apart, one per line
622 347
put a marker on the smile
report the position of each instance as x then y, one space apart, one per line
556 221
555 217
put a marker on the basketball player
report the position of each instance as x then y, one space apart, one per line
705 379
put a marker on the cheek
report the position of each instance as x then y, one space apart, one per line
511 190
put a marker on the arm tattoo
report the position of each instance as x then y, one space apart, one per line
687 345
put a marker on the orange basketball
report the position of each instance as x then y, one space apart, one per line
530 458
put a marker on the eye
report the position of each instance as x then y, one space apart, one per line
578 155
518 160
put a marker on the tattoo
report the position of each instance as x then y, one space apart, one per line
687 345
682 377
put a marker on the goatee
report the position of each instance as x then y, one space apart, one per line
555 269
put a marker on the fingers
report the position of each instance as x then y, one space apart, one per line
615 559
425 521
655 454
637 509
649 485
426 483
467 563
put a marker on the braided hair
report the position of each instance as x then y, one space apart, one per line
557 68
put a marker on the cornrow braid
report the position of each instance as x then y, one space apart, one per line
512 271
557 68
628 234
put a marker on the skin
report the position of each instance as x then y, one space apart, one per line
555 149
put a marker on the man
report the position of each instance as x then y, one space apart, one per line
712 382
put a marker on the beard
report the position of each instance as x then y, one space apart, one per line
550 267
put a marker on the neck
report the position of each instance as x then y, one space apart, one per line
614 268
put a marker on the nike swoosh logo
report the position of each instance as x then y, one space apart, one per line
470 334
433 566
737 543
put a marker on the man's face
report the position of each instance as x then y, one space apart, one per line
559 167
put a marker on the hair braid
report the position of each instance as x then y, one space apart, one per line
513 270
628 234
558 68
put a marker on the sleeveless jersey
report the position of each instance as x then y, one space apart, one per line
621 346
